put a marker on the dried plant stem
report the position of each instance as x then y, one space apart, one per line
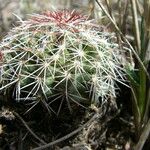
143 137
135 21
28 128
109 8
145 118
123 37
136 112
96 115
91 8
140 8
123 15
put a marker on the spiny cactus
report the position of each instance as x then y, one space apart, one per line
60 56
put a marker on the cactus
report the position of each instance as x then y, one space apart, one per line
60 56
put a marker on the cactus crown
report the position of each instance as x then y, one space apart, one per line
60 56
60 17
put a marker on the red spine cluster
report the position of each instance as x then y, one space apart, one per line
64 17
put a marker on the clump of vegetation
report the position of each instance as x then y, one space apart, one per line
61 59
60 56
137 38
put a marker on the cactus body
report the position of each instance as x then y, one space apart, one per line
60 56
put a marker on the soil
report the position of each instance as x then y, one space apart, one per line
112 129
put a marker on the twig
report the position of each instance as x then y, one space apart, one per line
68 135
143 137
28 128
